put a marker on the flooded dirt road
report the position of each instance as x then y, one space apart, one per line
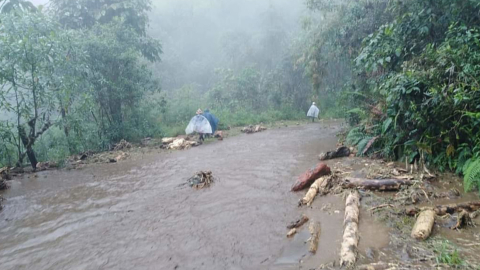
134 214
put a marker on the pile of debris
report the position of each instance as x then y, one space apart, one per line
122 145
177 143
253 129
201 180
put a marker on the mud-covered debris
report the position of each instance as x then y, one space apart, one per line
308 177
292 232
168 140
342 151
424 224
314 228
121 156
42 166
298 223
253 129
201 179
181 143
122 145
463 220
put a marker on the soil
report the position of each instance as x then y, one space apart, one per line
136 214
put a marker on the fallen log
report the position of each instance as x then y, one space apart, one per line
382 184
291 232
350 234
342 151
307 178
298 223
441 210
314 229
424 224
319 186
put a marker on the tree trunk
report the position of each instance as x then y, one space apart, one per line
424 225
382 185
29 147
307 178
448 208
348 250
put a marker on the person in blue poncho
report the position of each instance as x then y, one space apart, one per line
212 119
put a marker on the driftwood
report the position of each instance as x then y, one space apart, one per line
342 151
253 129
314 229
350 234
382 185
441 210
298 223
291 232
319 186
307 178
424 224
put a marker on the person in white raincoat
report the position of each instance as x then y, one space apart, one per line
313 112
199 124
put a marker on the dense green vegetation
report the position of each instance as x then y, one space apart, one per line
413 85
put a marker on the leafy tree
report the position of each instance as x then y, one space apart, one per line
33 53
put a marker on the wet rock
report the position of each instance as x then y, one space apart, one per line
342 151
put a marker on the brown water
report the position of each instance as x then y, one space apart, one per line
134 214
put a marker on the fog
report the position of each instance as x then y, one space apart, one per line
199 36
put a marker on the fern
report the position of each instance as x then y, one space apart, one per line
355 136
471 177
362 145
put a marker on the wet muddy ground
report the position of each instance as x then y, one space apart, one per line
136 214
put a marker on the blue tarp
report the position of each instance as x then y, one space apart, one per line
212 119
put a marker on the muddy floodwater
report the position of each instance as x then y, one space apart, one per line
136 214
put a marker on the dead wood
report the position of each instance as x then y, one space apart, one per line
291 232
307 178
350 234
447 209
382 185
319 186
342 151
298 223
424 224
314 229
